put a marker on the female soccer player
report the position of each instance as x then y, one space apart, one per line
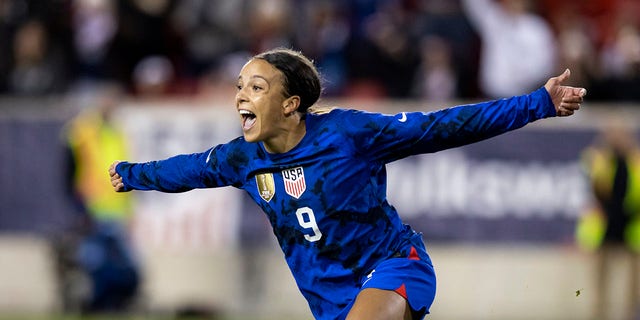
320 177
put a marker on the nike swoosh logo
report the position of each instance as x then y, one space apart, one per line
209 156
369 276
403 118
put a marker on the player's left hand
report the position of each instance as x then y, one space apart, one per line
566 99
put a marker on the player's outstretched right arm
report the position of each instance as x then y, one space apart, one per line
179 173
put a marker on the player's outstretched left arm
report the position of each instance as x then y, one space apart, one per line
565 99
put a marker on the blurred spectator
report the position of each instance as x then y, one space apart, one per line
94 25
612 223
323 33
104 253
518 47
38 68
446 20
153 77
381 53
436 79
269 24
576 44
211 30
145 28
620 58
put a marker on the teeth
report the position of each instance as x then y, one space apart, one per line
246 112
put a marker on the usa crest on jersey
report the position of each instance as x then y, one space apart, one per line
294 183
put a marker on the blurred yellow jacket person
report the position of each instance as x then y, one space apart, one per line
105 252
95 144
611 228
615 215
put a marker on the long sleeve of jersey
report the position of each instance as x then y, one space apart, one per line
392 137
176 174
179 173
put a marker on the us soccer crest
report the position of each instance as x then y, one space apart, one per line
266 187
294 183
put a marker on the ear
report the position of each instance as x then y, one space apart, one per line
290 105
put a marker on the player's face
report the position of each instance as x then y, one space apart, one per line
259 101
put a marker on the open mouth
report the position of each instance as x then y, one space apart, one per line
248 119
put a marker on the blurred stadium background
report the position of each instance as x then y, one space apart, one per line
498 216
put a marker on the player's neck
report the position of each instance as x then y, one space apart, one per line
287 139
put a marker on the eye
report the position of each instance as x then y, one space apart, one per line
256 88
239 87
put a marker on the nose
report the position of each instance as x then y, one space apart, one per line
241 97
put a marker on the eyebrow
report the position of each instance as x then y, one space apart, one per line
255 76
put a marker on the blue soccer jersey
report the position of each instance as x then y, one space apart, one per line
326 198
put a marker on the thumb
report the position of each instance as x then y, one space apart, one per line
564 76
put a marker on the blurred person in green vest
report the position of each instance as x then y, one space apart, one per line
611 225
104 252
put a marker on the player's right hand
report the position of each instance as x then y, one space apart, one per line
565 99
116 179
